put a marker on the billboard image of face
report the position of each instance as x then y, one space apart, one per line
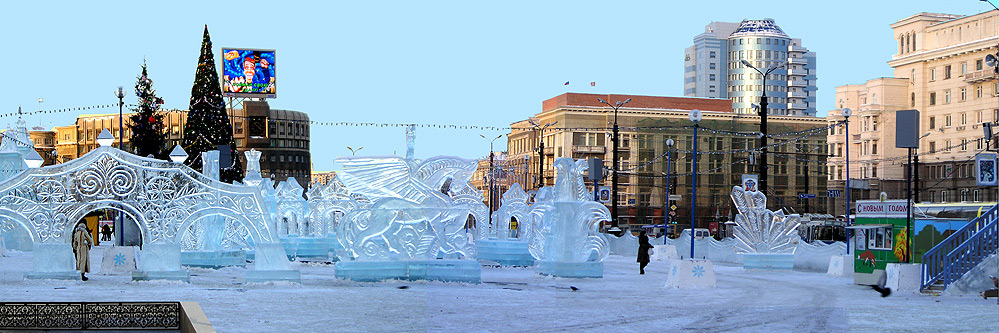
247 72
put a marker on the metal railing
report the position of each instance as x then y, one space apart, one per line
90 315
948 261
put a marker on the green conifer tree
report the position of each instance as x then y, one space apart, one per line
147 122
207 122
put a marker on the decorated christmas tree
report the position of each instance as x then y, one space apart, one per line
207 122
147 122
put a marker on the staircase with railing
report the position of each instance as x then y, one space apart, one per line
963 250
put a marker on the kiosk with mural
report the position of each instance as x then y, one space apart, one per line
880 238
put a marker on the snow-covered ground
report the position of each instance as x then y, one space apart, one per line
520 300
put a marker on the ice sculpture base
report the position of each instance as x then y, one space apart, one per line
314 248
768 261
586 269
504 252
438 270
840 266
181 275
903 277
290 275
213 259
64 275
696 273
290 244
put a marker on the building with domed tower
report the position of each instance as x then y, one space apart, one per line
713 68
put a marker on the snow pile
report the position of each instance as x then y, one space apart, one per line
976 280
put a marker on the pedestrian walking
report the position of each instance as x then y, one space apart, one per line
644 249
82 241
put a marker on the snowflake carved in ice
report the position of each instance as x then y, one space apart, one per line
835 264
698 271
674 271
119 259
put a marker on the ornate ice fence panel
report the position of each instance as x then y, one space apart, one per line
90 315
816 256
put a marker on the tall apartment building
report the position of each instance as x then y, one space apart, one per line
582 131
713 68
939 71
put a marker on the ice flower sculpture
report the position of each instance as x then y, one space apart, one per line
759 230
567 230
412 215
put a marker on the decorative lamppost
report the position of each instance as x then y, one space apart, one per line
695 117
614 165
763 121
541 148
669 157
120 93
492 177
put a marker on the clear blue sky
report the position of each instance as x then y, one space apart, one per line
460 62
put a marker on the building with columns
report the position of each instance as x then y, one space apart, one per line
582 127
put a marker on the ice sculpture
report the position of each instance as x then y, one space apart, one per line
764 237
163 197
292 209
564 235
253 177
412 221
500 244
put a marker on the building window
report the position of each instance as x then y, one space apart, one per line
978 64
964 118
976 196
874 147
933 196
711 77
946 72
933 146
964 195
912 103
978 92
964 94
947 96
933 75
943 195
711 65
947 121
933 98
964 68
711 54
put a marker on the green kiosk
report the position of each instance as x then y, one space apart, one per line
880 238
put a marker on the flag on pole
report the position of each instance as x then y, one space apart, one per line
566 83
593 84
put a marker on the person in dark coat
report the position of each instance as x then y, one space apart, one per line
643 251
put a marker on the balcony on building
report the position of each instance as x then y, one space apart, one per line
549 150
796 48
980 76
797 106
797 94
797 83
589 149
797 61
856 138
799 71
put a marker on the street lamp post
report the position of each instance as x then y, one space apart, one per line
353 151
669 157
541 148
492 177
763 121
695 117
846 141
614 163
994 63
120 93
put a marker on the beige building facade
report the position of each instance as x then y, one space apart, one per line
939 70
582 128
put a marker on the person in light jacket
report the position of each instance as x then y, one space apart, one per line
643 251
82 241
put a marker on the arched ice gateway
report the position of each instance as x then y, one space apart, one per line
163 198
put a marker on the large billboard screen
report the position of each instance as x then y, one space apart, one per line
249 73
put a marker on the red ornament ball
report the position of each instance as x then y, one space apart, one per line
152 119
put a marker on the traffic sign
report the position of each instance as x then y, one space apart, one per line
673 207
806 196
675 197
832 193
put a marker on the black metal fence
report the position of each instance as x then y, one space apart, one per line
90 315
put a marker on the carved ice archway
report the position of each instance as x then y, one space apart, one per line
162 197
